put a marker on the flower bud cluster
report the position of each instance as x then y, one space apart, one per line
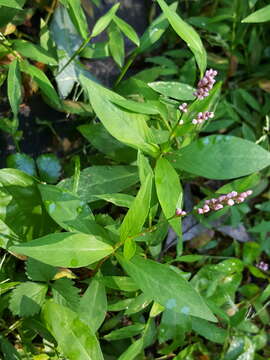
262 266
205 84
183 107
180 212
202 117
218 203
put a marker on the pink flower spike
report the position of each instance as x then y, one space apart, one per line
207 201
206 208
200 211
218 207
230 202
244 194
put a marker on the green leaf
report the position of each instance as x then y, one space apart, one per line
75 339
65 293
162 284
123 283
187 33
139 107
38 271
49 167
21 205
77 16
172 89
14 86
221 157
169 190
258 16
44 83
34 52
97 180
93 305
125 332
67 209
134 130
154 32
137 214
104 21
15 4
22 162
133 351
8 350
116 44
122 200
127 30
27 298
68 42
65 249
209 331
139 303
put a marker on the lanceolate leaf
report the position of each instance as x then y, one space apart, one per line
15 4
104 21
65 249
173 89
187 33
221 157
136 216
169 190
14 86
75 339
127 127
97 180
165 286
258 16
33 51
127 30
93 305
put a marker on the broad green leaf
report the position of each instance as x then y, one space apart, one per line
38 271
104 21
65 293
67 209
162 284
127 30
21 205
139 107
102 140
75 339
93 305
49 168
169 190
155 30
97 180
137 214
34 52
123 283
116 44
44 83
27 298
173 326
14 86
137 304
15 4
123 200
209 331
173 89
187 33
258 16
22 162
125 332
65 249
77 16
221 157
134 130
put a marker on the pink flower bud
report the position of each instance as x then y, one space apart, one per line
230 202
178 212
181 122
194 121
200 211
249 192
183 213
206 208
218 207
